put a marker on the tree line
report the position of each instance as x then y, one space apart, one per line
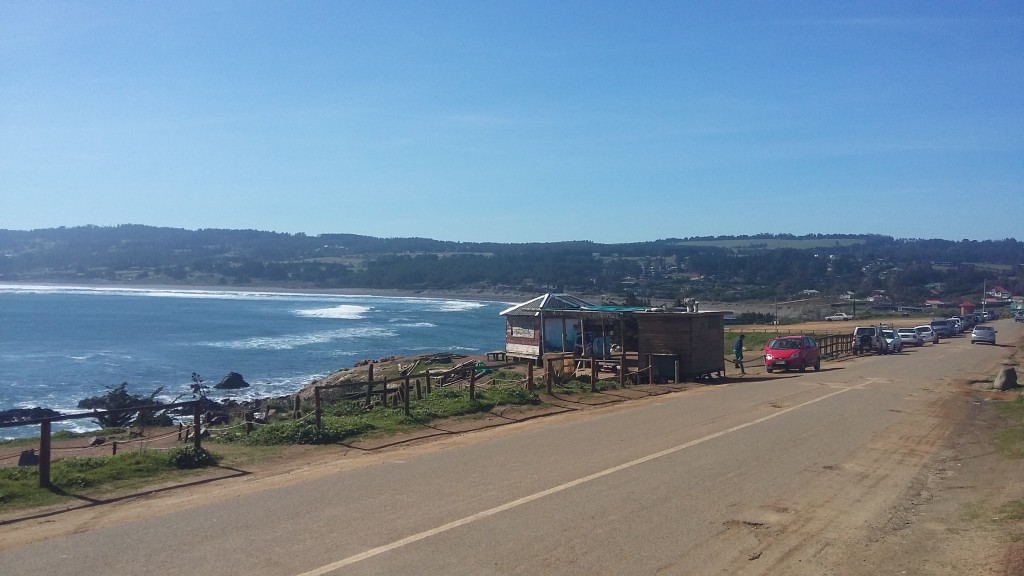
724 268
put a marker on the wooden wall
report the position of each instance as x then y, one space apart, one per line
696 339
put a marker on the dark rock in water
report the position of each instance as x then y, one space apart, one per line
232 381
23 414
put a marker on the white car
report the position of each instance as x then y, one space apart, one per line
927 334
839 316
910 336
892 340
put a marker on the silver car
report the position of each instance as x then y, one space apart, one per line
927 334
910 336
983 334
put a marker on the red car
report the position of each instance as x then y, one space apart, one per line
786 352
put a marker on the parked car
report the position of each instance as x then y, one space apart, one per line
893 342
983 334
839 316
958 327
927 334
910 336
942 328
1018 316
867 339
789 352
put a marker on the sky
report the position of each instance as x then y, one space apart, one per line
517 121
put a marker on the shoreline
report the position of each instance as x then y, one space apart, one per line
511 297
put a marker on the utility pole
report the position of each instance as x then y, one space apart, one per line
984 289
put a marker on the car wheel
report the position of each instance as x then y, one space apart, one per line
770 369
803 365
817 365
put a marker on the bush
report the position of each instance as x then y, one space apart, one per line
190 457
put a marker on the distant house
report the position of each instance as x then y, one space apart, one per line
809 292
999 292
848 295
933 303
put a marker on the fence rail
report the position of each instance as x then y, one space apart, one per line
46 435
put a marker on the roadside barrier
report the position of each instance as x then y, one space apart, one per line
45 456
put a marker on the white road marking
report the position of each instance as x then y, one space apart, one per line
554 490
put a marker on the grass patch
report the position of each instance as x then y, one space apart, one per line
1012 510
19 486
347 420
1009 441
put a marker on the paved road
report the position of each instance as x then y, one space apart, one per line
781 474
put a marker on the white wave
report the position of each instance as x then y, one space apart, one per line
342 312
459 305
290 341
417 325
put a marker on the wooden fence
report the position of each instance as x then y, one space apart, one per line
46 424
373 391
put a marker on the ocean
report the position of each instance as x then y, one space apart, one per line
59 345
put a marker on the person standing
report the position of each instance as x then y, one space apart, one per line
737 350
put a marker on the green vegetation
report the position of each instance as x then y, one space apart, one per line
761 267
348 420
19 486
1010 440
751 340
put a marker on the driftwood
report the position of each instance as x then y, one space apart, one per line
459 372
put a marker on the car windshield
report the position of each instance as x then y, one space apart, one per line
785 344
887 333
983 328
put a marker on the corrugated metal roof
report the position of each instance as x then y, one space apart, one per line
547 302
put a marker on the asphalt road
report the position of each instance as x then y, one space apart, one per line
774 474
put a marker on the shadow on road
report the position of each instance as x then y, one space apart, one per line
92 502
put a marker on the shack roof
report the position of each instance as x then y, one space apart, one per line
545 303
564 305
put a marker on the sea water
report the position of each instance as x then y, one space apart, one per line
59 345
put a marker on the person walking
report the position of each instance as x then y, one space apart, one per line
737 350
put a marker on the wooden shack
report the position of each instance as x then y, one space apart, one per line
560 323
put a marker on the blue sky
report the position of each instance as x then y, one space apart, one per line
516 121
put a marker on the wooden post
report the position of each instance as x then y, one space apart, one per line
113 448
369 375
419 390
297 407
197 423
427 374
44 454
650 368
369 393
622 367
316 407
593 373
249 421
472 383
676 377
180 427
529 376
549 376
406 392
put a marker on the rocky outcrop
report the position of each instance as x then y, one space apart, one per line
25 414
1006 379
232 381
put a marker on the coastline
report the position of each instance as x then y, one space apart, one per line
506 296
